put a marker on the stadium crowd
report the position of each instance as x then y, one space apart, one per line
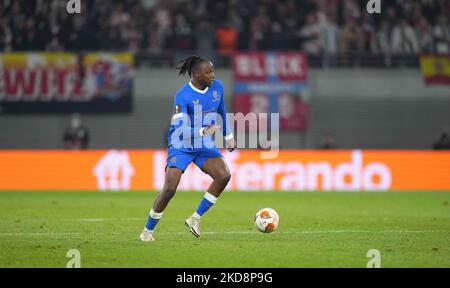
319 27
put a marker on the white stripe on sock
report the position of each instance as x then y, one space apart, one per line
155 215
211 198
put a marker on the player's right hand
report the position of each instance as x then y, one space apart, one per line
211 129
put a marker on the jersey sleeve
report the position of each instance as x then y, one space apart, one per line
222 110
181 120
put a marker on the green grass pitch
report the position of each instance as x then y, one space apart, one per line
410 229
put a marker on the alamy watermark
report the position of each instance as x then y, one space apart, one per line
375 258
373 6
263 131
75 258
73 6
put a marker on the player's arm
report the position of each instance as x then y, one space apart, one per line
226 130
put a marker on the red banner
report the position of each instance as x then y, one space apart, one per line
256 66
272 83
66 82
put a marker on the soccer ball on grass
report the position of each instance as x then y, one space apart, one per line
266 220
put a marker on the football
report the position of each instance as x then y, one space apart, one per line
266 220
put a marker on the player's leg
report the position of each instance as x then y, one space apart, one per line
177 162
220 173
172 178
171 181
218 169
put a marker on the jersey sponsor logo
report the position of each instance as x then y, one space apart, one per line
216 96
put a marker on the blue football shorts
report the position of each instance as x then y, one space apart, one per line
181 159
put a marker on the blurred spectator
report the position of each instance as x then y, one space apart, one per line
278 39
351 37
204 39
163 17
327 142
182 41
311 35
330 36
159 26
443 141
351 42
235 20
391 16
382 42
351 9
441 34
404 39
368 27
182 33
424 34
226 37
259 30
76 136
258 35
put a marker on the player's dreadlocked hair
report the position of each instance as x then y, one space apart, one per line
189 64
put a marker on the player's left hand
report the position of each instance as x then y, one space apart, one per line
230 144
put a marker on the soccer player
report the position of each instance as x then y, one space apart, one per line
198 111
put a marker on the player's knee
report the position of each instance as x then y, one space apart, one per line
224 178
168 193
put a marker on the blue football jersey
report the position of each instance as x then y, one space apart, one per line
195 109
